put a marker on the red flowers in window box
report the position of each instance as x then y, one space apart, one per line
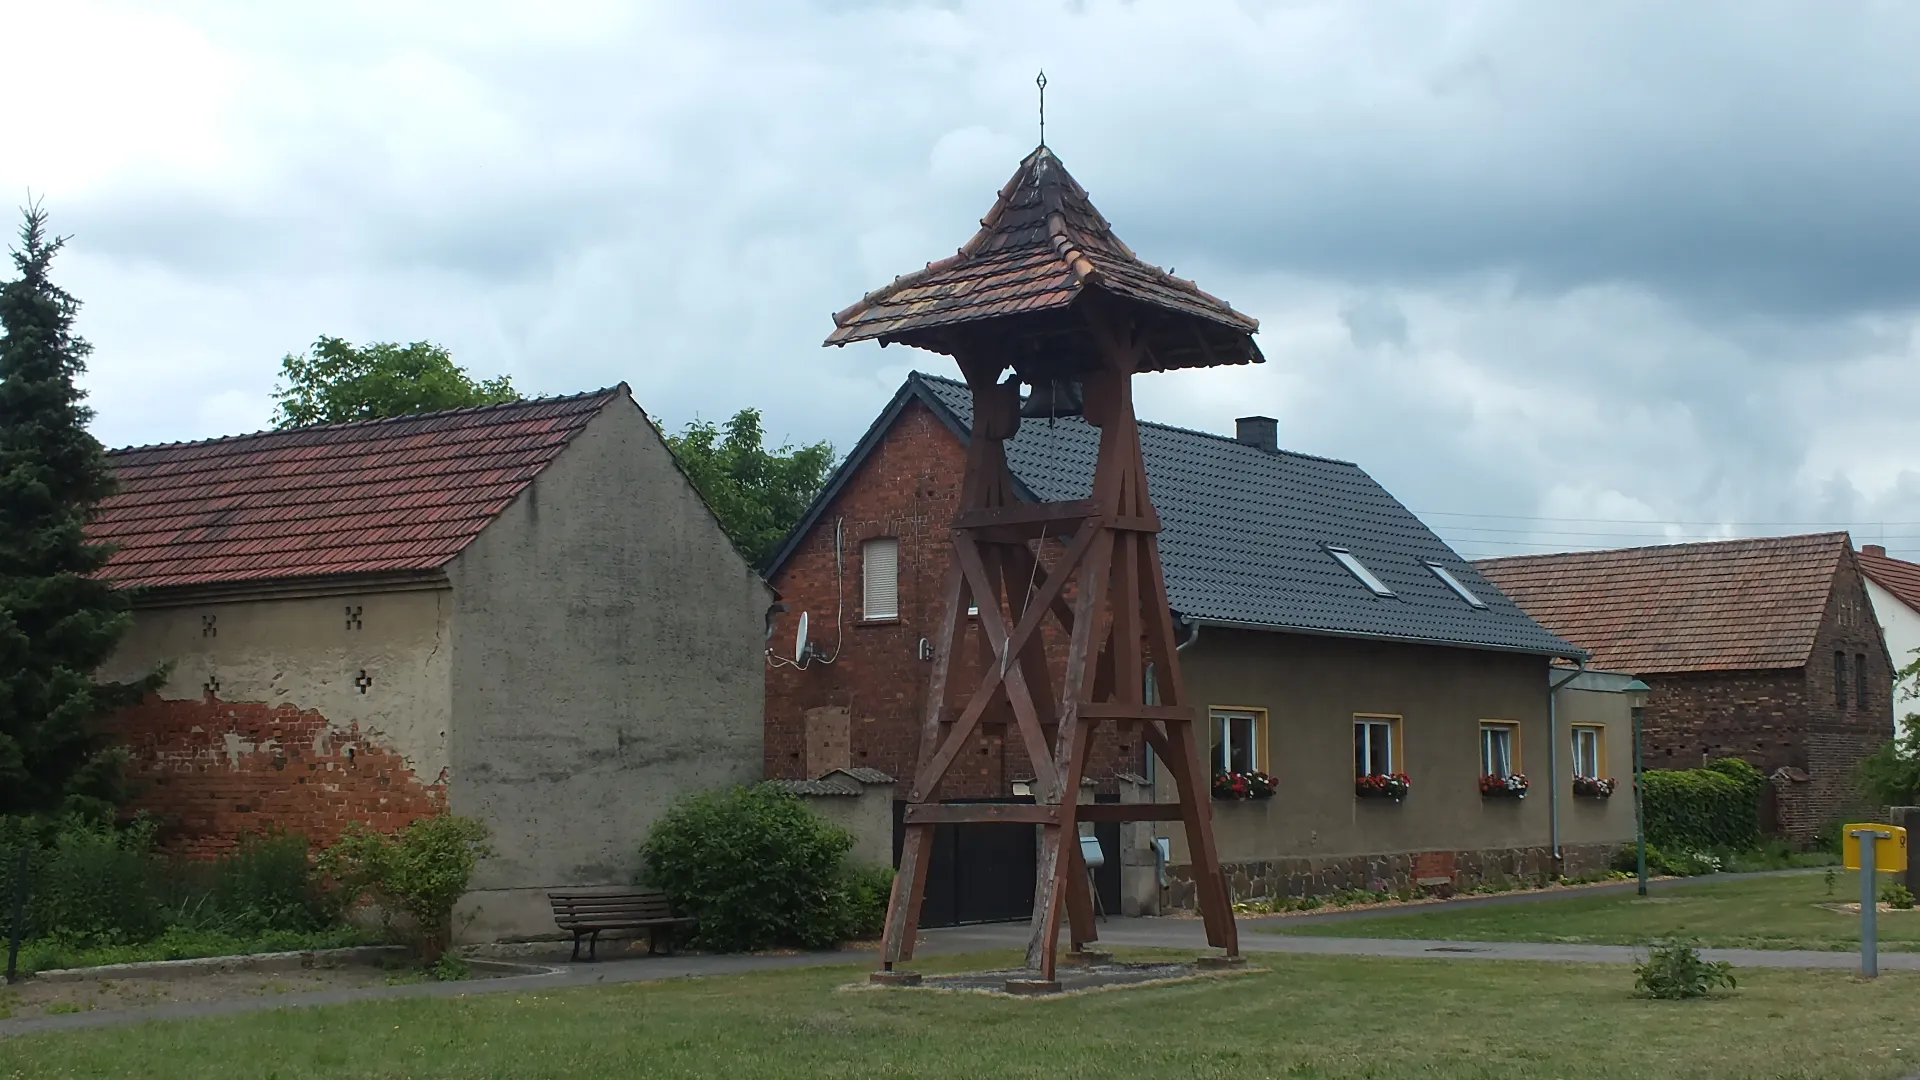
1253 784
1382 786
1594 787
1512 787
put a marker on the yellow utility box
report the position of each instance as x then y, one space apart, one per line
1889 849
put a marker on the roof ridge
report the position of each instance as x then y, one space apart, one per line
1171 427
1668 547
499 406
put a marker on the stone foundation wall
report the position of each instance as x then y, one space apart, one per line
1440 872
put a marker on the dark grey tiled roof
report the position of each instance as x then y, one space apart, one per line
837 782
1245 532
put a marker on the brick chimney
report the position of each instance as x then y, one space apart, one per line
1875 550
1259 431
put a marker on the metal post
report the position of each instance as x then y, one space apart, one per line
17 927
1869 902
1639 804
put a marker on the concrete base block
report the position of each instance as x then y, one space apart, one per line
894 978
1219 963
1033 987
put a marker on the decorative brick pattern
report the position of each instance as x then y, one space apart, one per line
1393 872
215 770
907 489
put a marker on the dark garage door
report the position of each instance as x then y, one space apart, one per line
985 872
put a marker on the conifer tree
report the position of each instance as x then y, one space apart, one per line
58 623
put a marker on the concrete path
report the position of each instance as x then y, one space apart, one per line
1182 934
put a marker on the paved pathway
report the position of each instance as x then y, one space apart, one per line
1184 934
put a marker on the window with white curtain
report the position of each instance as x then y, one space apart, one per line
1499 749
880 578
1373 750
1237 738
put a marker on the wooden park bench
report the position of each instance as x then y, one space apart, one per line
586 914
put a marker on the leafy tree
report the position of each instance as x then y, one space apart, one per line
58 623
758 494
1891 777
338 383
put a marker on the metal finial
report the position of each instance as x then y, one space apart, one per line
1041 82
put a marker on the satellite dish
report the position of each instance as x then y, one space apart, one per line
800 639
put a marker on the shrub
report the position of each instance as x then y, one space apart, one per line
421 871
1713 807
88 882
1896 895
869 889
267 883
759 869
1673 971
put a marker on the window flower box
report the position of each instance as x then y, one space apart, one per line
1244 785
1594 787
1512 786
1382 786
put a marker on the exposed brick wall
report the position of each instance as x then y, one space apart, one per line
215 770
907 488
1789 718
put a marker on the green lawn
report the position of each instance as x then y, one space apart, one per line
1311 1016
1782 912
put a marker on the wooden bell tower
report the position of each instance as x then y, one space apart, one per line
1046 292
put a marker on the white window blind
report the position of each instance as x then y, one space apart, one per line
880 578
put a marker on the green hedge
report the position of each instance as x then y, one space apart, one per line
1713 807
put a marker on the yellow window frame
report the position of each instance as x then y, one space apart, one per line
1396 741
1262 734
1513 737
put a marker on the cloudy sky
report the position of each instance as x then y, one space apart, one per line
1559 275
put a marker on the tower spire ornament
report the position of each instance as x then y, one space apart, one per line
1041 82
1046 297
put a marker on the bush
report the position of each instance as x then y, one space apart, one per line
421 871
1674 971
869 889
1713 807
88 882
267 883
759 870
1896 895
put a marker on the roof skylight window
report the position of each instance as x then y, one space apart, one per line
1457 585
1359 570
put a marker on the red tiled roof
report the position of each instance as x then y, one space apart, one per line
405 494
1897 576
1040 245
1722 606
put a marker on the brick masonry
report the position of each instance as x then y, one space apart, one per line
215 770
1323 876
1788 718
907 489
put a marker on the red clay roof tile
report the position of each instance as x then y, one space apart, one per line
1726 605
1897 576
405 494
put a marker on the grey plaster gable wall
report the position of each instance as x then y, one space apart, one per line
608 652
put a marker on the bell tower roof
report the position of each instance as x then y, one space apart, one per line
1042 248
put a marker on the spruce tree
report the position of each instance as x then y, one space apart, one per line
58 623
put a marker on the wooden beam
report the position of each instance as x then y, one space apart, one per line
1120 710
1063 516
981 814
1146 811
